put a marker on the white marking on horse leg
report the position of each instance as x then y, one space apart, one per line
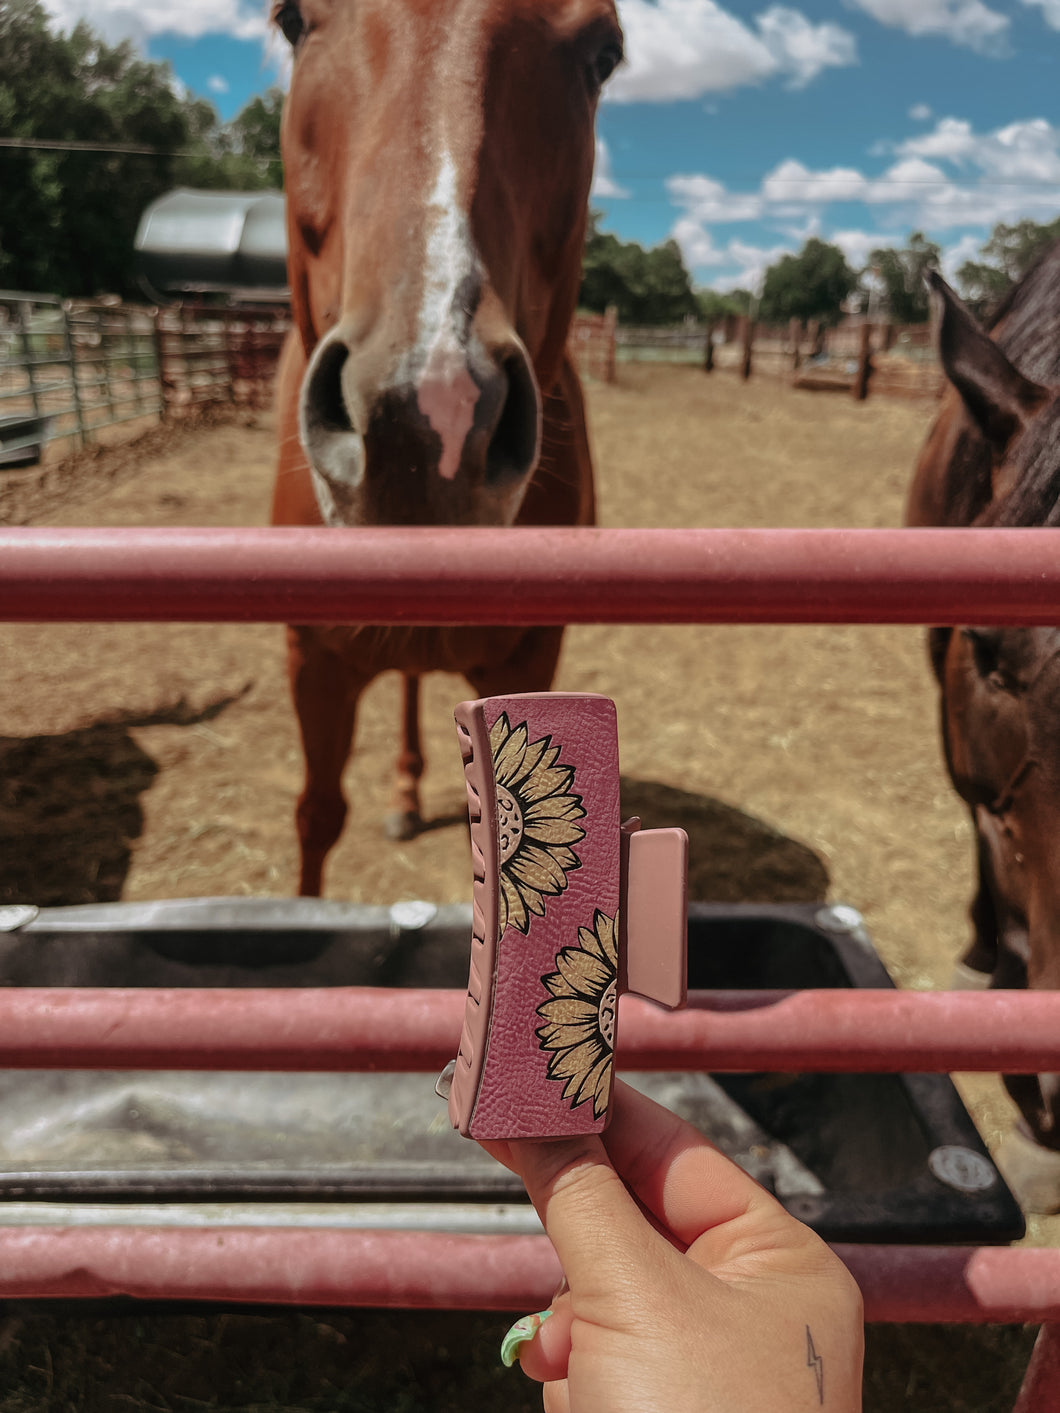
446 392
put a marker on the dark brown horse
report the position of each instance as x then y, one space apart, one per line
993 458
438 158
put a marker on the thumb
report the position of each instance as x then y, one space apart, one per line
597 1229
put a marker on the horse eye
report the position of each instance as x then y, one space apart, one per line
604 64
288 18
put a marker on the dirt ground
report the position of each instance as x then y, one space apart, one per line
162 761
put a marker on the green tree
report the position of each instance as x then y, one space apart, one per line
69 215
672 297
1006 258
241 156
810 285
256 131
645 286
714 306
901 274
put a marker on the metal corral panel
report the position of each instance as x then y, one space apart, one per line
859 1157
200 240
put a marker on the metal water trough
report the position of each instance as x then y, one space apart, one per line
868 1158
22 440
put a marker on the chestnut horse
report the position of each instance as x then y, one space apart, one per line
438 158
993 458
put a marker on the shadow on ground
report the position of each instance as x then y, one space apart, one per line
70 806
98 1357
732 857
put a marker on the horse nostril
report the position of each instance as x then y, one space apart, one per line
325 405
514 445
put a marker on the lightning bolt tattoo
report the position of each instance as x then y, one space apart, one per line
816 1363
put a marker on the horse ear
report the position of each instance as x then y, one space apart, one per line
1000 399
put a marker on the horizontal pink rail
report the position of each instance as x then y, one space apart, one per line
528 576
427 1270
347 1029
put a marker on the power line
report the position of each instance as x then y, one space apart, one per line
126 149
130 149
59 145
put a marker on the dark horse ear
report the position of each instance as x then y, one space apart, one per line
998 396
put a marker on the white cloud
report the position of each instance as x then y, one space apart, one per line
687 48
604 183
792 185
802 49
909 181
920 112
1003 175
1024 151
752 262
140 19
697 245
217 83
857 246
1017 164
972 182
1028 151
966 22
707 201
1050 11
954 256
952 139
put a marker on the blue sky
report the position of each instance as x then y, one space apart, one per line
741 129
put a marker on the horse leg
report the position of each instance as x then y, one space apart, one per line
325 700
979 962
404 821
1029 1155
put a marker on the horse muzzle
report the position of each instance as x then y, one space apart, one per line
448 436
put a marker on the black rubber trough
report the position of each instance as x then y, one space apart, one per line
874 1158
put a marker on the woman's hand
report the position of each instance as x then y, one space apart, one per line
690 1287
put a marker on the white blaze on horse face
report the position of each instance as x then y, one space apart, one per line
446 392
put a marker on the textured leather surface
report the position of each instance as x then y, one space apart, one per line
516 1096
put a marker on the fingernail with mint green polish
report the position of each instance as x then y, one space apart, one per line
522 1332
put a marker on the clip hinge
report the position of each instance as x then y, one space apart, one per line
654 913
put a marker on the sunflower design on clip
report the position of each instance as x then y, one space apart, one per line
580 1017
536 811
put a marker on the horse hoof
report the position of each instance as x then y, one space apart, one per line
966 978
402 824
1031 1171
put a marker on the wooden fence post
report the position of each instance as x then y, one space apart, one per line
861 378
610 325
795 338
25 316
70 349
100 319
161 350
708 349
748 331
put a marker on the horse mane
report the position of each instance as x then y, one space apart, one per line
1027 328
1027 325
1035 495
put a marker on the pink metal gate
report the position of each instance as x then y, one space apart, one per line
520 577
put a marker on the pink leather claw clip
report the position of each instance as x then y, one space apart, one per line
570 909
